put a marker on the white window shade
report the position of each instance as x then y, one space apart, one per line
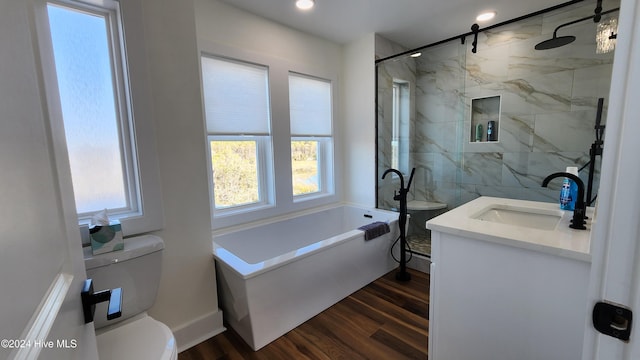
236 97
310 106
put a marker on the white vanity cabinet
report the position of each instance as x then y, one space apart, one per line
501 291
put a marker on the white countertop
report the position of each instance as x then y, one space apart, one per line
562 241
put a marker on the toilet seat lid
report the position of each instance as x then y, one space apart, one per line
145 338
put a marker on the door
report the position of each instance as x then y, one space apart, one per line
616 234
41 263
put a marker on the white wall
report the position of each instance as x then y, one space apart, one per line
224 30
224 24
358 126
187 299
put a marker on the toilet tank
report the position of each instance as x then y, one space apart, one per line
136 270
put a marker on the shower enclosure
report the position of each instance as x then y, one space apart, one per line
434 112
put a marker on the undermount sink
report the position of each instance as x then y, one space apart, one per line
542 219
533 225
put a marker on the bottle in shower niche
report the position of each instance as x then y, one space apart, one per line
479 133
569 191
491 131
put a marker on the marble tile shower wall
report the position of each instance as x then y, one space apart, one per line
548 109
438 141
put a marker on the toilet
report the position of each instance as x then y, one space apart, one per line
136 269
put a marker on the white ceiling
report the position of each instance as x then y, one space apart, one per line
412 23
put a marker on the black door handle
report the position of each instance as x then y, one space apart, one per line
91 298
613 320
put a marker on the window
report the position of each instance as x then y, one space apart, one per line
267 126
304 166
236 101
311 135
108 141
400 126
92 87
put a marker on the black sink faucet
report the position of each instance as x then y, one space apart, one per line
579 215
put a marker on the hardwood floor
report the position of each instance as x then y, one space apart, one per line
386 319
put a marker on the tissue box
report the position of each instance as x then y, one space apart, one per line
106 238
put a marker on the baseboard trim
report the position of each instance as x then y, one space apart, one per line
198 330
420 263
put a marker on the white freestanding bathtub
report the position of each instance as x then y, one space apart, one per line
275 276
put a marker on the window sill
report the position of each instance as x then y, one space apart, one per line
310 197
240 210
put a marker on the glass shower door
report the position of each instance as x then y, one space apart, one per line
420 119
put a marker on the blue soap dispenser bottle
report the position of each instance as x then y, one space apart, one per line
491 131
569 191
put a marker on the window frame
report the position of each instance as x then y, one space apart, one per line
395 125
122 101
326 181
400 119
326 177
279 68
263 156
264 149
137 134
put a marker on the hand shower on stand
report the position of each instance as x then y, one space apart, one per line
401 196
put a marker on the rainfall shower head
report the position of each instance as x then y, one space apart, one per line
555 42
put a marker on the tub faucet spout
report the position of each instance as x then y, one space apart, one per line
579 215
397 196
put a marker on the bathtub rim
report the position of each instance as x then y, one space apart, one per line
287 216
252 270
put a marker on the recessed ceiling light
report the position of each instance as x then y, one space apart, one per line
485 16
305 4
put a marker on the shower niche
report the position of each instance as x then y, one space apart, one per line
485 119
